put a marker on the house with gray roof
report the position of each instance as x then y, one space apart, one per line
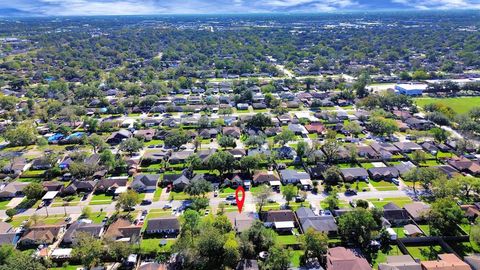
354 174
145 182
308 219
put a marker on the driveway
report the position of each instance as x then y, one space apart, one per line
14 202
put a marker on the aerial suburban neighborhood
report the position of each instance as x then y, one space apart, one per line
355 140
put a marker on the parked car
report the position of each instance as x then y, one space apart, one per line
146 202
167 206
215 193
395 181
230 198
207 212
299 199
350 192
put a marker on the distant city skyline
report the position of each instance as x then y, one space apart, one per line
151 7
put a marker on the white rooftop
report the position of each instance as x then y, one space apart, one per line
50 195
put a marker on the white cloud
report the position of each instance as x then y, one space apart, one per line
441 4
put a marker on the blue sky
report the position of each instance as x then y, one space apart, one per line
134 7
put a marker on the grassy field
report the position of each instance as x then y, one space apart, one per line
3 205
459 105
153 245
425 253
401 201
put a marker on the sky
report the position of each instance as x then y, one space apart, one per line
147 7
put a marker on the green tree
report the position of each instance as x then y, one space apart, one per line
97 143
11 212
249 163
278 258
419 156
221 161
314 244
332 175
285 136
88 250
382 126
357 226
131 145
23 135
289 192
176 138
128 200
302 149
439 134
199 188
444 217
261 195
259 120
256 239
227 141
34 191
332 200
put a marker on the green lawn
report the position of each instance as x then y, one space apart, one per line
3 205
53 219
99 199
157 194
425 229
295 260
383 185
67 267
382 256
287 239
154 142
17 221
400 201
178 196
460 105
425 253
152 245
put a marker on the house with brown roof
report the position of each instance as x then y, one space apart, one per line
446 262
12 190
340 258
265 177
109 185
417 210
40 235
123 229
315 127
241 221
232 131
145 134
164 226
280 220
465 165
7 233
78 227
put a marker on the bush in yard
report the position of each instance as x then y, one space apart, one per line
11 212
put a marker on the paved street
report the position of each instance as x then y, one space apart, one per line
249 205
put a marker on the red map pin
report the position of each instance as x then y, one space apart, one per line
241 200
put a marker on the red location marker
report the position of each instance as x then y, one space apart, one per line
241 200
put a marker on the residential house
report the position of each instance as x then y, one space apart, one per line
181 182
295 177
208 133
366 151
110 185
40 235
448 170
407 147
16 166
315 127
417 210
165 226
354 174
297 129
180 156
145 182
42 163
465 165
78 227
77 186
145 134
308 219
418 124
52 186
232 131
12 190
155 155
7 234
340 258
265 177
286 152
383 173
123 229
447 262
394 214
241 221
118 136
280 220
237 153
404 167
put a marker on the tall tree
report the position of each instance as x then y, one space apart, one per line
262 194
